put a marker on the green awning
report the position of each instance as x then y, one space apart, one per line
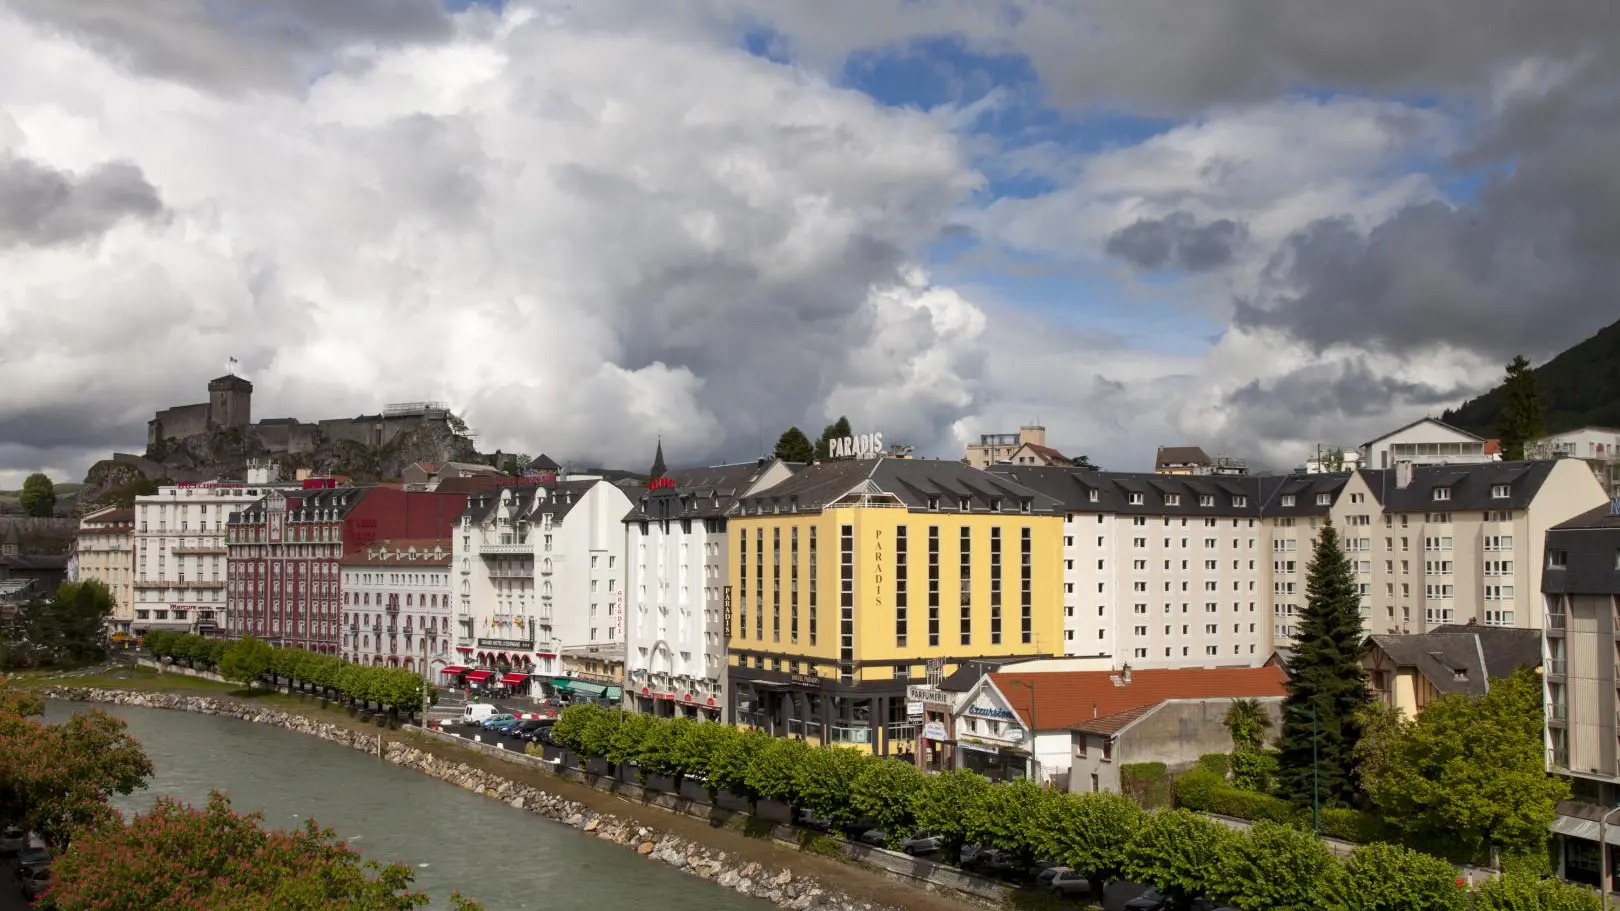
593 690
614 693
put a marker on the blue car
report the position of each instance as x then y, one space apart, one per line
497 721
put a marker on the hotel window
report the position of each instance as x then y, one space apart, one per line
1501 491
1442 494
759 584
1556 559
1172 499
1240 501
1136 499
966 575
933 504
1093 496
1288 499
964 505
793 587
900 618
995 586
995 504
815 584
846 603
1026 506
933 585
1026 582
776 585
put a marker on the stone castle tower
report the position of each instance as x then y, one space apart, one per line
230 403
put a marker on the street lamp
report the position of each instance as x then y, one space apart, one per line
1316 778
1034 731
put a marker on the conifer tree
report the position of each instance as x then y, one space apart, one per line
1326 687
1521 421
794 446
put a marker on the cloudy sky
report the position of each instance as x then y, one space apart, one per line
1252 224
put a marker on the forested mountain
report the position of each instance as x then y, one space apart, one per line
1579 387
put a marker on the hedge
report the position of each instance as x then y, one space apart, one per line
391 687
1146 782
1104 836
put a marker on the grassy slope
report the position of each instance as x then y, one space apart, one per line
1579 387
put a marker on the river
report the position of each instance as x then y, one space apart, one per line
505 858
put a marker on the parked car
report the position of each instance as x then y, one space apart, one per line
1068 884
497 721
920 844
35 881
12 840
478 712
1151 900
1045 878
809 820
32 858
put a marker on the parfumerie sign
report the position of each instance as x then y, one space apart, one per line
860 446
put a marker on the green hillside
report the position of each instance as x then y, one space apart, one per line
1579 387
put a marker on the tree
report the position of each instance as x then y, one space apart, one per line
1006 819
56 779
1247 721
73 625
1326 687
1526 892
1084 463
124 495
1471 771
246 661
1273 866
944 805
38 497
175 856
1176 851
1521 421
1386 877
885 793
794 446
825 784
1090 832
837 430
511 466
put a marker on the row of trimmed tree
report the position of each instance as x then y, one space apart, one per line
249 660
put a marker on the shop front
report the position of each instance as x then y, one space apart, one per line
572 689
990 737
669 696
868 715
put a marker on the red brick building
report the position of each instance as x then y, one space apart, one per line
284 585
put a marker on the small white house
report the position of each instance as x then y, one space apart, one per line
1428 442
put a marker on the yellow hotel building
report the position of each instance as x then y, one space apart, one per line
846 580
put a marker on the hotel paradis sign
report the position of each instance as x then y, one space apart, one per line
725 607
860 446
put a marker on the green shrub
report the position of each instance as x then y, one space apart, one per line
1206 792
1214 762
1148 783
1195 790
1254 771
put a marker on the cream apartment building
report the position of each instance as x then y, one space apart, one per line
105 552
1598 447
1206 571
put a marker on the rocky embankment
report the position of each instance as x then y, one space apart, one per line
780 886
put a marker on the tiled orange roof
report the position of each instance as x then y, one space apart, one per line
1493 447
1050 454
1063 699
389 553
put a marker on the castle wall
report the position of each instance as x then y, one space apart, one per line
302 438
272 436
393 427
364 432
179 422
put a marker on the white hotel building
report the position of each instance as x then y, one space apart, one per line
396 605
675 649
537 568
1187 571
179 554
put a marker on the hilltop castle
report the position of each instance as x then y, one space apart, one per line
230 408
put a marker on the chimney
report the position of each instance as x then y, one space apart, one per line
1403 475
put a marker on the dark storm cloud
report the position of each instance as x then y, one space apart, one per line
41 206
1321 399
225 45
1178 241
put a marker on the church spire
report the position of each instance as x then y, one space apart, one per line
658 462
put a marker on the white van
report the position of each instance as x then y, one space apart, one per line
478 711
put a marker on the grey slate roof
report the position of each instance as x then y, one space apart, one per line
339 499
1470 486
699 493
915 483
557 499
1181 455
1590 545
542 462
1179 495
1480 652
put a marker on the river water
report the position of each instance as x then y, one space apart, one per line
507 859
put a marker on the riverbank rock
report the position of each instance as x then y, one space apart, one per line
781 887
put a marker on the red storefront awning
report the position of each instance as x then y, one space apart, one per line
513 679
464 648
454 669
479 676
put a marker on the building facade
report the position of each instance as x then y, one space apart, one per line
995 448
1598 447
538 565
1428 442
105 552
396 605
851 578
678 553
1192 460
1581 592
181 556
285 548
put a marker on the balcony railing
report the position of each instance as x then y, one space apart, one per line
753 719
855 734
1558 711
219 551
510 573
809 730
901 731
510 547
1557 621
1558 758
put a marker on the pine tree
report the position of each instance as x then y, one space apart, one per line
1326 687
1521 421
794 446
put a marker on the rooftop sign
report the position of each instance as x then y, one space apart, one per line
859 446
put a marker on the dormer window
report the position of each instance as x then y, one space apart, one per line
1026 506
1324 499
1092 496
1172 499
1442 494
933 504
1501 491
1206 500
1288 499
995 504
1137 499
963 504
